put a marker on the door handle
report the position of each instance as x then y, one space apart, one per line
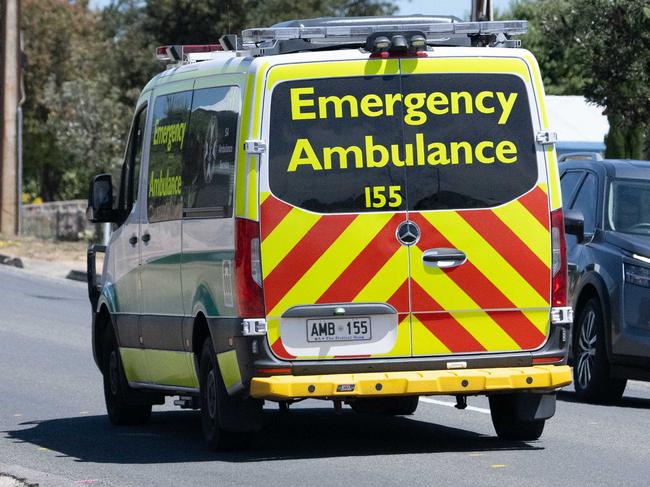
146 237
133 240
443 258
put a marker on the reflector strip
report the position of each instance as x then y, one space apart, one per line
273 212
365 265
514 250
349 240
286 235
536 202
536 236
426 339
301 257
491 263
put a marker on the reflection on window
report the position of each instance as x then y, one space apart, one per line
209 163
628 206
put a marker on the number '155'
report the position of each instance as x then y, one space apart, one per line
376 196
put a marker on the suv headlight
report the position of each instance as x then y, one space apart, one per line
637 275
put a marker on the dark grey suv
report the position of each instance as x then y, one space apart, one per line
609 273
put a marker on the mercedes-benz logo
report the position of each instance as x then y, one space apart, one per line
408 233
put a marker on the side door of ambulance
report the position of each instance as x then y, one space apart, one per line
480 271
160 236
125 252
329 211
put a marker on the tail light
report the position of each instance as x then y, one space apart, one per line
248 269
559 261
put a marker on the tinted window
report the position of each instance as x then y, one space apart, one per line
352 144
209 162
587 200
323 159
131 168
168 140
568 182
628 207
472 139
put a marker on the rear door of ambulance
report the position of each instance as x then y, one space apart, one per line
335 277
480 272
365 202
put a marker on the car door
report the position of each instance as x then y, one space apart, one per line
125 253
480 267
160 237
570 181
330 209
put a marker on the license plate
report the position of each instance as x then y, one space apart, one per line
338 329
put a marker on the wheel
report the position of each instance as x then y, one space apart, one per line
591 368
506 423
120 410
212 391
396 406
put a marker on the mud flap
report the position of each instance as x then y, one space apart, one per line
534 406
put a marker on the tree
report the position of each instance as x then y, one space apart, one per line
599 49
86 69
65 49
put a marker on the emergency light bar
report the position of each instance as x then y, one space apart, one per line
357 34
180 52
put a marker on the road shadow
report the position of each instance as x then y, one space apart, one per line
303 433
625 402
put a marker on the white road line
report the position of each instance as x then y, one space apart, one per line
452 404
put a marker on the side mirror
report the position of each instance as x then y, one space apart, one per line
574 224
100 200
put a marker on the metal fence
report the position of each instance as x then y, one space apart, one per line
59 220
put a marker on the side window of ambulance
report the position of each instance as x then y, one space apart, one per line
586 201
169 135
209 161
130 173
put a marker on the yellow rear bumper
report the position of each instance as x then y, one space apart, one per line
469 381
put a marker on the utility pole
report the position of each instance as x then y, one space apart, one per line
481 10
10 87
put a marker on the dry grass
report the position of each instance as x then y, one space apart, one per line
73 253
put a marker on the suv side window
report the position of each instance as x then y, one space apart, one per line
568 182
587 201
130 174
169 135
209 161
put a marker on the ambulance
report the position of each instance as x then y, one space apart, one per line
360 210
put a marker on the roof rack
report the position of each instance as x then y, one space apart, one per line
337 32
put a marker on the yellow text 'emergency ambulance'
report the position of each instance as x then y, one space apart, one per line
364 210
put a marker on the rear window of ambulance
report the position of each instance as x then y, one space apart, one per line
394 143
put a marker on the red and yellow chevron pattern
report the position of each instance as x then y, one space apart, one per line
497 301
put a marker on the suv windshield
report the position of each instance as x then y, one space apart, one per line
628 206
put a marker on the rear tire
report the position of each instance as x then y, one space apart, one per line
506 423
116 388
591 377
212 389
395 406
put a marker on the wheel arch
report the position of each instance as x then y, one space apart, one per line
200 331
101 321
594 287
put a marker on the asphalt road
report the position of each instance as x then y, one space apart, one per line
54 431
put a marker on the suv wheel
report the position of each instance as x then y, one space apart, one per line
117 390
591 367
